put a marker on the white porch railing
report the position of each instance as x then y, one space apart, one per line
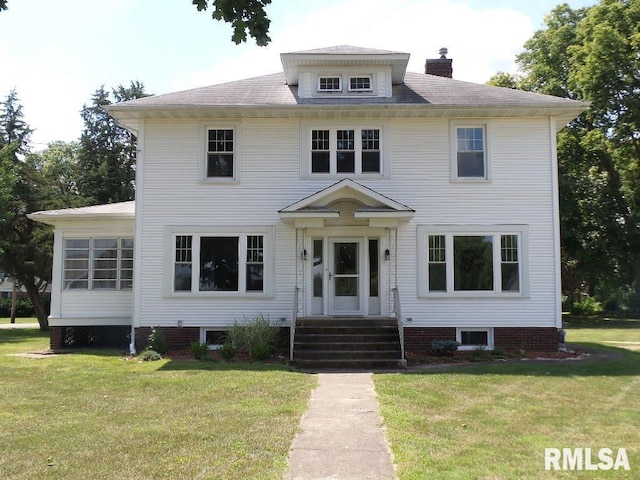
398 312
294 318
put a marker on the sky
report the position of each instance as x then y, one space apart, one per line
56 54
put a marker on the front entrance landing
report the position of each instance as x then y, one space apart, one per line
341 433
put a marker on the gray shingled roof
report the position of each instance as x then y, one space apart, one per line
418 89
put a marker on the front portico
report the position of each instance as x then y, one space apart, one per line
346 236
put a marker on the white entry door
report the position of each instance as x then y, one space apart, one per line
346 267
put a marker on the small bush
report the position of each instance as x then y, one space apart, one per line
261 351
157 341
199 350
228 351
149 355
444 347
257 337
23 307
586 306
481 354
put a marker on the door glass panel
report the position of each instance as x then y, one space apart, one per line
346 258
346 286
318 268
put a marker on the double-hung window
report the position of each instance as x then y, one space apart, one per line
98 264
468 260
220 153
469 152
346 151
212 262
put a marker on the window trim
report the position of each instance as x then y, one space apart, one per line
204 148
196 232
366 90
449 231
329 90
453 143
91 268
490 338
306 135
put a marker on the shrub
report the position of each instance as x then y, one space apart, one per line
480 354
261 351
444 347
157 341
586 306
199 350
23 308
149 355
228 351
257 337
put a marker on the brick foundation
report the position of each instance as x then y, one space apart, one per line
180 338
56 338
418 339
544 339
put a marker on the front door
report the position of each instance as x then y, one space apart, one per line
345 276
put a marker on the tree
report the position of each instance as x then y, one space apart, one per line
243 15
593 54
107 155
30 182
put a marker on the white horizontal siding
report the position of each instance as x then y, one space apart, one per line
520 193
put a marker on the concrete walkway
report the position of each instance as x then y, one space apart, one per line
9 326
341 435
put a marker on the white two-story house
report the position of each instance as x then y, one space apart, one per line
342 187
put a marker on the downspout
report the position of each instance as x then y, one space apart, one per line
132 345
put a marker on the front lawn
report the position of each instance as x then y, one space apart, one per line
7 320
100 415
494 421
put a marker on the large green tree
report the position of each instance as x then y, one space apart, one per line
107 155
243 15
31 182
593 54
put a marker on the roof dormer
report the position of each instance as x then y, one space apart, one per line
344 71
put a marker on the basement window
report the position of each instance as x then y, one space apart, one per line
472 338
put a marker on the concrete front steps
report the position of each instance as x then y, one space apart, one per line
347 343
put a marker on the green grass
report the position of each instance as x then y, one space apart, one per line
98 415
6 320
494 421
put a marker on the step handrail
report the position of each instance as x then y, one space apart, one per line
294 319
399 320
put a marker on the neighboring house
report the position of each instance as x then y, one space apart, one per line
345 185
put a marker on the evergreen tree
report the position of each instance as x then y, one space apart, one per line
107 156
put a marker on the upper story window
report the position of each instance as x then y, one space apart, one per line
330 84
220 153
98 264
360 84
346 151
469 152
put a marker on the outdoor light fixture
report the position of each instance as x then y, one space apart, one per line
387 255
303 255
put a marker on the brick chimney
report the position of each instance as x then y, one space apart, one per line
442 67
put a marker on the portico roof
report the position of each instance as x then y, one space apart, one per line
372 205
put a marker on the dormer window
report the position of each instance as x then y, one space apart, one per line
329 84
360 84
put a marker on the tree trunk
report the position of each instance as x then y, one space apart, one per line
36 300
636 275
14 301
